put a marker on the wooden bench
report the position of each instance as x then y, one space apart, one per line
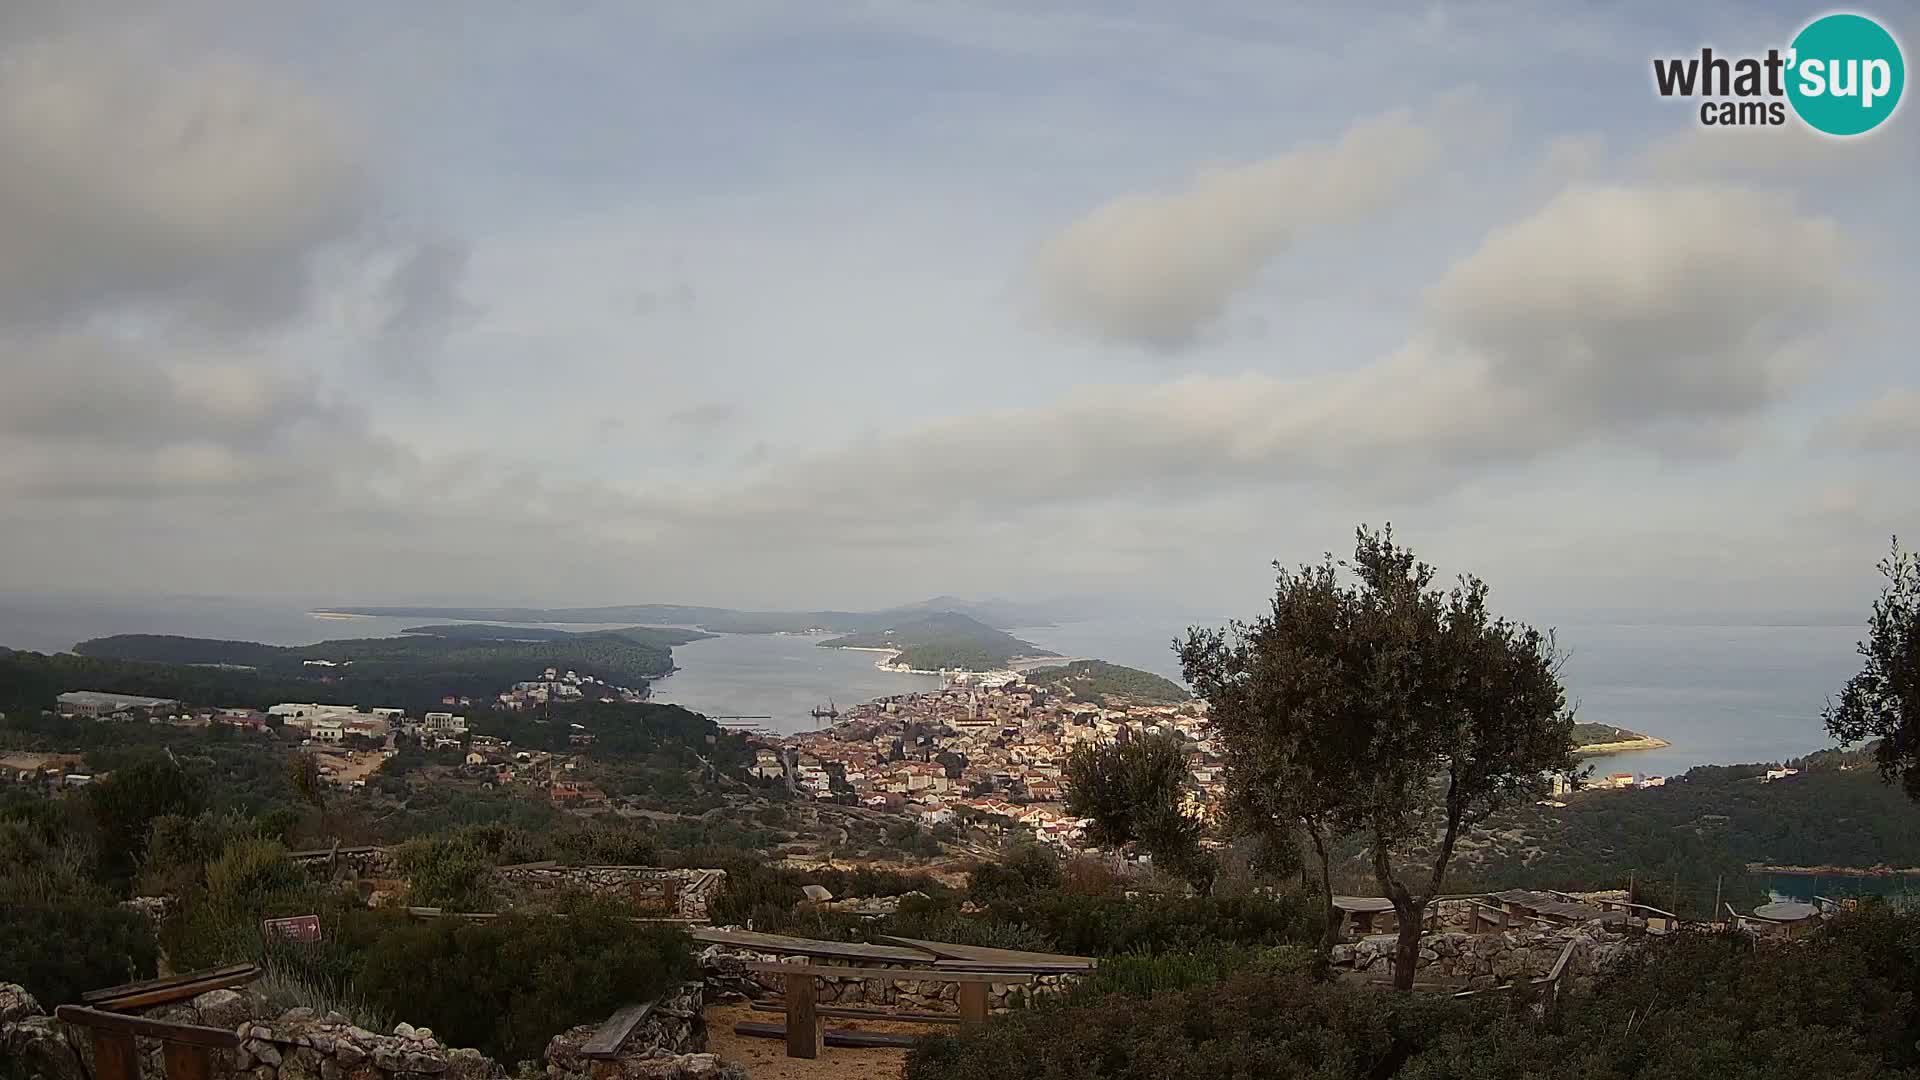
171 988
187 1049
842 1012
802 1014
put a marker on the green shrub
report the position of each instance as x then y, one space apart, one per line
60 949
508 985
451 872
1102 926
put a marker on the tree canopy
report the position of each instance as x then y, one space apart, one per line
1133 791
1371 700
1882 702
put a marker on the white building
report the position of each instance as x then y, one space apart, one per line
441 723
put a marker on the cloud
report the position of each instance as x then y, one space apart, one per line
1617 306
1656 319
195 192
1155 270
84 416
423 302
707 414
1888 422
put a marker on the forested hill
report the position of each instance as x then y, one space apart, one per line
943 639
402 671
995 613
1098 681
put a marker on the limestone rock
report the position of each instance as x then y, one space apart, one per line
222 1008
16 1004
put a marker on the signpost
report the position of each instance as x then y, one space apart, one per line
301 928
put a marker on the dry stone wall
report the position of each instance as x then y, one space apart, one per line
725 969
670 1044
1477 961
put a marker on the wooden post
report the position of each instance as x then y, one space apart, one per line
803 1037
187 1061
114 1057
973 1004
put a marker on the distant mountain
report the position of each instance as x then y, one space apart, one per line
1001 614
942 639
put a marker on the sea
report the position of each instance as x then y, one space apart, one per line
1719 693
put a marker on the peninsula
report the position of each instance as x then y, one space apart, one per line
1594 739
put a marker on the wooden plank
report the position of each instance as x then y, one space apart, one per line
780 944
973 1004
1002 959
1064 968
803 1040
845 1012
607 1041
187 1061
242 971
771 967
114 1057
99 1020
864 1040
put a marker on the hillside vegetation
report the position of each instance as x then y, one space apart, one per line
414 669
1097 681
942 639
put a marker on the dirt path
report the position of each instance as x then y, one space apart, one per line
766 1059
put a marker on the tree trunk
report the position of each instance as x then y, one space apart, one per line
1406 953
1330 936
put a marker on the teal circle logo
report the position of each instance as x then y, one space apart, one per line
1845 74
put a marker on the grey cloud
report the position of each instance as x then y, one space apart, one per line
677 297
1620 306
1888 422
85 417
424 302
1157 269
195 191
1663 319
707 414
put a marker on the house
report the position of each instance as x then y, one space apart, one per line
95 703
443 723
1779 774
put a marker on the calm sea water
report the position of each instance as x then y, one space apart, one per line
1719 694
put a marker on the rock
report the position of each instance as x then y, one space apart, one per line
467 1063
222 1008
817 893
423 1034
425 1063
388 1058
16 1004
37 1045
330 1069
348 1053
300 1064
403 1029
298 1015
263 1052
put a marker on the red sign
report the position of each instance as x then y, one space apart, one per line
302 928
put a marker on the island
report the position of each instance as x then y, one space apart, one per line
1593 739
940 641
998 614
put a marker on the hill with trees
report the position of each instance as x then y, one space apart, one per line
1001 614
415 669
941 639
1098 681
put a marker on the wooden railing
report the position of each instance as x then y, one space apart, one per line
187 1049
802 1026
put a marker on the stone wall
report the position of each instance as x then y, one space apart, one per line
670 1044
294 1045
686 893
1477 961
725 970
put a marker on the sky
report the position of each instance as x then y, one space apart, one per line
846 304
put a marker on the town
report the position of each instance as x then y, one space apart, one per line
985 749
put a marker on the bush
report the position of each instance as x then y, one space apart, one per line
508 985
1253 1024
1684 1007
453 873
59 950
1097 926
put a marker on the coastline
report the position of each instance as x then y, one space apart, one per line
1837 871
1644 742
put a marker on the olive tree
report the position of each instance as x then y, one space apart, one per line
1133 790
1369 702
1882 702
